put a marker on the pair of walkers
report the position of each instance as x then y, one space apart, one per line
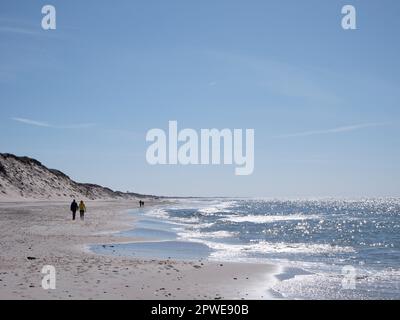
75 207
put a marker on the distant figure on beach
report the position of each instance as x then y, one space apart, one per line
82 210
141 203
74 208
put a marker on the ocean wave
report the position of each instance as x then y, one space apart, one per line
268 218
300 248
235 251
163 214
157 213
190 235
220 207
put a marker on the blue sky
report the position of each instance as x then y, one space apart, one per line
324 102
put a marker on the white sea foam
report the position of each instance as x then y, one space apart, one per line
163 214
157 213
268 218
225 251
220 207
190 235
209 210
298 248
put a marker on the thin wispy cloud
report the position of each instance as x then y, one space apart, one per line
342 129
25 28
49 125
32 122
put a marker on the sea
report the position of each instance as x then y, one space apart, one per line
325 248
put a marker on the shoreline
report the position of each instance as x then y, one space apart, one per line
42 230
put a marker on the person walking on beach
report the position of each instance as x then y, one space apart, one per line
74 208
82 210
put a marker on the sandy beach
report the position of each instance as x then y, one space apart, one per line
35 234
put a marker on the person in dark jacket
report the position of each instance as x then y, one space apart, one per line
74 208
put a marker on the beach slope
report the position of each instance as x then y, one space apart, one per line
35 234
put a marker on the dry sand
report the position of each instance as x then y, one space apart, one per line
34 234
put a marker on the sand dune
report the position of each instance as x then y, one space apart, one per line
23 178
